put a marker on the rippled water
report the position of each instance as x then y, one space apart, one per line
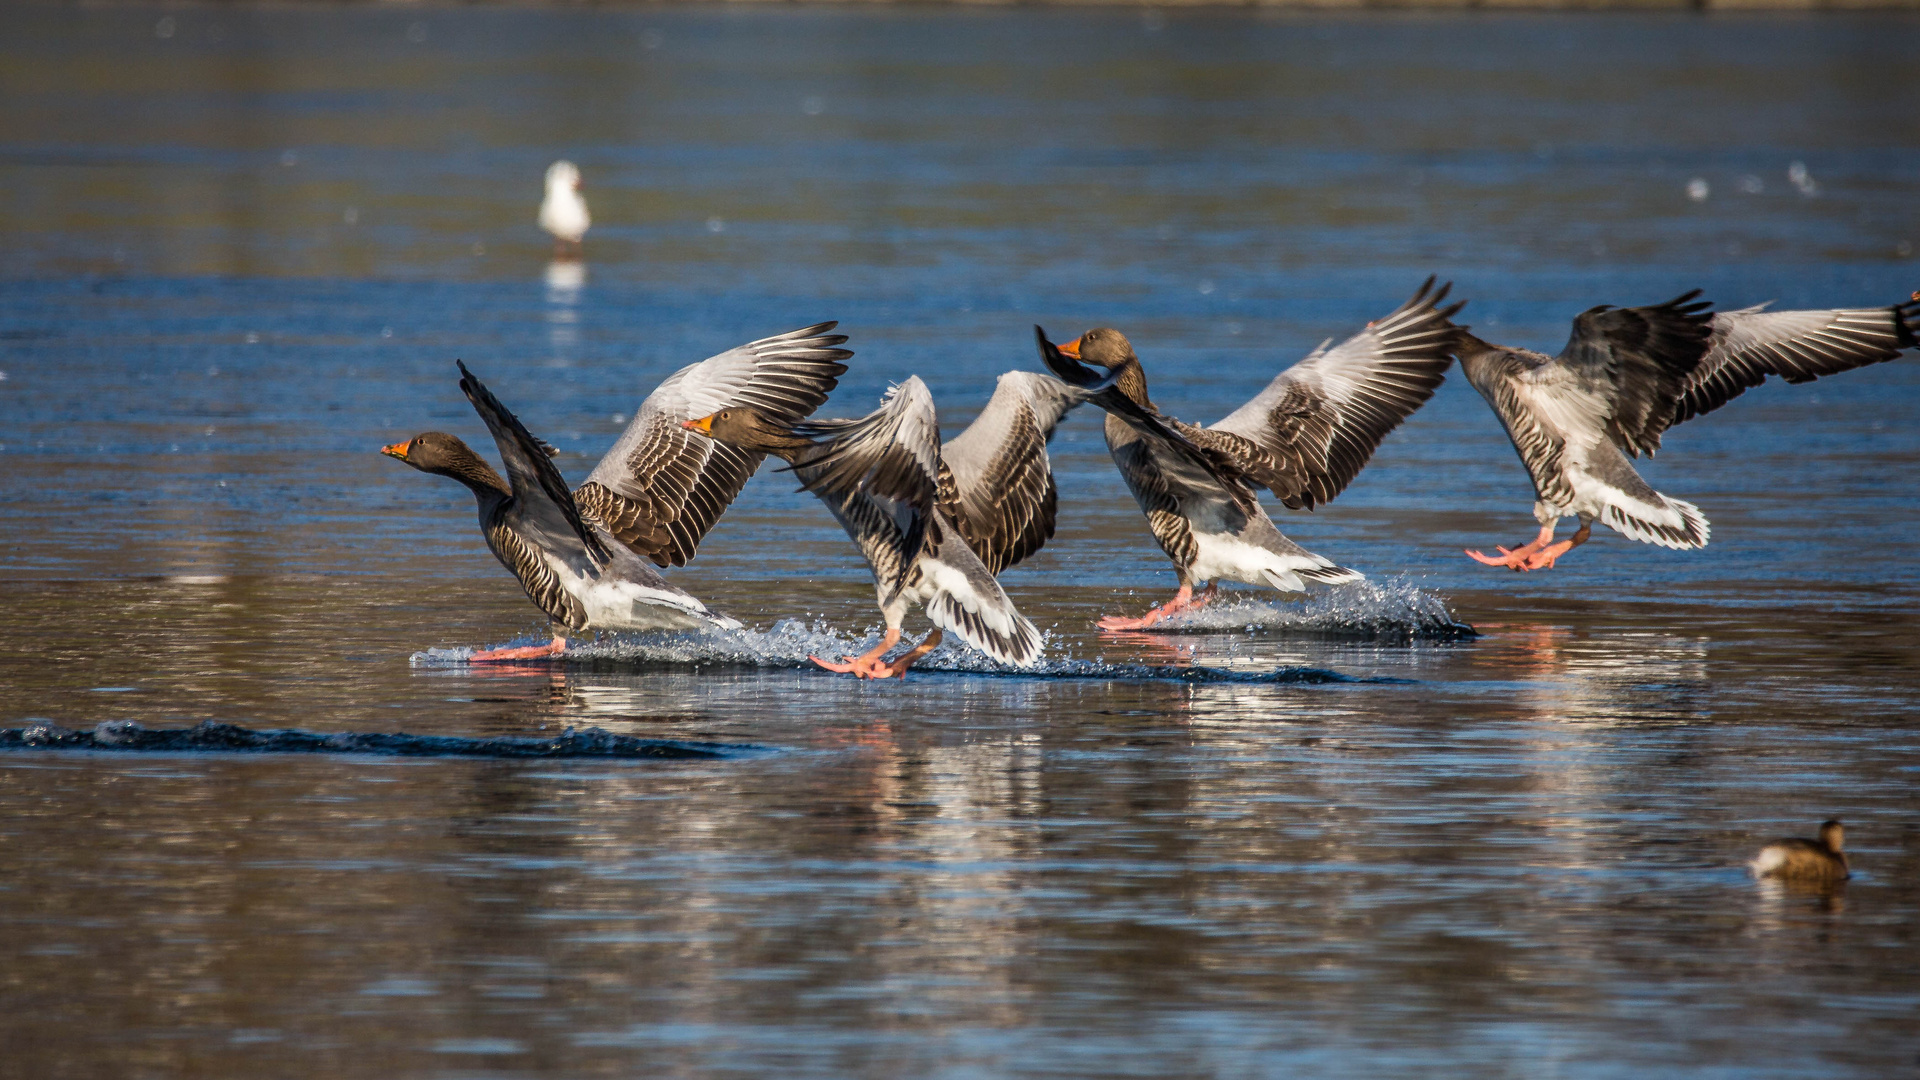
240 249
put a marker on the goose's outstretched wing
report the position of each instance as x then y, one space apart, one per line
1634 364
882 473
542 503
1318 422
997 485
1799 346
661 487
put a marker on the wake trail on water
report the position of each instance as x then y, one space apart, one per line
1388 612
215 737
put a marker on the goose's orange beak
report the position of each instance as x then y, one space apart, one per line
704 425
398 450
1071 348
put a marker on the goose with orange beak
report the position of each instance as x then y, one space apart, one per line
583 555
1305 437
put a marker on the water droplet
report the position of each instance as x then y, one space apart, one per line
1205 287
813 106
1697 190
351 215
386 331
253 338
289 159
716 224
1752 185
618 418
164 28
416 32
1903 249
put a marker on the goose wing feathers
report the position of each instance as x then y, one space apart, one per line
891 457
1799 346
542 504
661 487
964 599
997 484
1635 363
1317 423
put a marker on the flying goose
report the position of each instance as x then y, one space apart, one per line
582 555
936 523
1304 438
1625 376
563 212
1805 860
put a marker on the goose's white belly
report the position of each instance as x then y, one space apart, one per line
1224 556
612 604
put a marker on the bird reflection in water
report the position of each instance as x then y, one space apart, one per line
1616 677
566 279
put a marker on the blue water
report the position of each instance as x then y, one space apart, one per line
241 249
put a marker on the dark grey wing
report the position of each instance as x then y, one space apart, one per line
1154 491
1639 360
889 460
1798 346
661 488
1317 423
998 485
543 504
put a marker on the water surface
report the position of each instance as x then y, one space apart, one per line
240 250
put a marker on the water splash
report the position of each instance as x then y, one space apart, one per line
791 643
1384 610
213 737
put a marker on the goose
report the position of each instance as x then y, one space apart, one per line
1805 860
937 523
583 555
1304 438
563 212
1628 374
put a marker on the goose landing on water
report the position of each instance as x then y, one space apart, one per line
936 523
1304 438
582 555
1628 374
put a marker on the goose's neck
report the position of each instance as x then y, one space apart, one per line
1133 383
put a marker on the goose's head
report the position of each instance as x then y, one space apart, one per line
563 176
445 455
1110 349
749 429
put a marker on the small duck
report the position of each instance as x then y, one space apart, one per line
1804 860
563 212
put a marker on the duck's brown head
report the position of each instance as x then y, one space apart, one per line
1832 836
445 455
749 429
1110 349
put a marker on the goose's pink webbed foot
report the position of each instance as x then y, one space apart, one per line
1184 600
529 652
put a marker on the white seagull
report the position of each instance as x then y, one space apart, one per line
563 212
